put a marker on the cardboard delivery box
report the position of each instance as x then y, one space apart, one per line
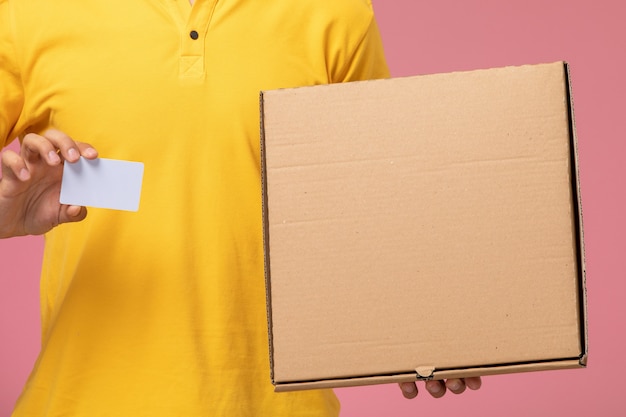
423 227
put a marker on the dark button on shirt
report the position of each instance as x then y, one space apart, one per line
193 34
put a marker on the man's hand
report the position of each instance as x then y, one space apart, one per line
31 184
438 388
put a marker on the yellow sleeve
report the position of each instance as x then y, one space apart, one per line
367 59
11 91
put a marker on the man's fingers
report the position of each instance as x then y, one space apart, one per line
70 149
13 166
53 146
456 386
36 147
67 147
87 150
409 389
436 388
473 383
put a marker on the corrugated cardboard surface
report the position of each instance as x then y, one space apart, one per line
426 222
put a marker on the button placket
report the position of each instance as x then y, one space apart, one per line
192 45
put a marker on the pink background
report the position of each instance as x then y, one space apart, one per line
425 37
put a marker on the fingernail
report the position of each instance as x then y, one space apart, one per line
24 174
434 388
90 152
73 154
455 386
53 157
409 388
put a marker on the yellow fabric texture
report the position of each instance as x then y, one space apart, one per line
162 312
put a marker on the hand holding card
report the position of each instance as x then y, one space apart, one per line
102 183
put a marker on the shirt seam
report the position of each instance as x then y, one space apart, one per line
346 68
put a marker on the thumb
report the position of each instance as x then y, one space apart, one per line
71 213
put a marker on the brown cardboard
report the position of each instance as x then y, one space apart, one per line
423 227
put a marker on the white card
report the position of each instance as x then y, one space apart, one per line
103 183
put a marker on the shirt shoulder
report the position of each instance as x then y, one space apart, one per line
341 9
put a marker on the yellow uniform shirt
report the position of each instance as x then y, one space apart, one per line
162 312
